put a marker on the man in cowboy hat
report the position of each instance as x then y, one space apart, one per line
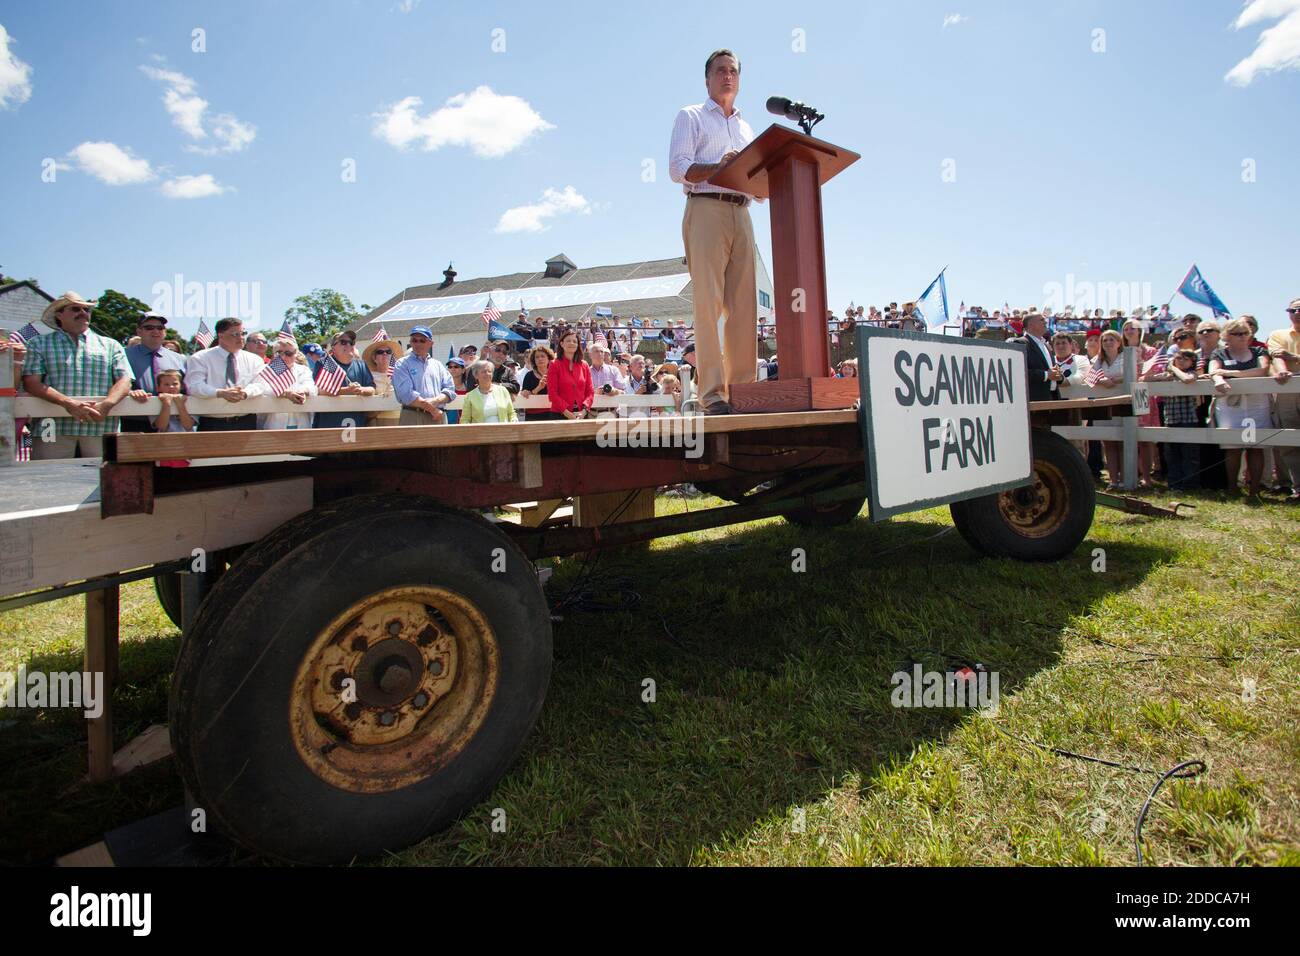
72 360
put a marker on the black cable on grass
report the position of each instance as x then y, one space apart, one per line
1137 831
1181 772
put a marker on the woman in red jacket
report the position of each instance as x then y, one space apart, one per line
569 379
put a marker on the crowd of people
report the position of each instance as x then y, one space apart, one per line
568 365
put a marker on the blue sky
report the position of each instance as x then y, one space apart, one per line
1120 166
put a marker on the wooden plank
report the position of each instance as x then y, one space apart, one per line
57 545
101 652
530 465
149 747
591 511
1264 437
1067 403
315 441
94 855
25 406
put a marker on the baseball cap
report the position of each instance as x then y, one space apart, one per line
459 363
311 348
422 330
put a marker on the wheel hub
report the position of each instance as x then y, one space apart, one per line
393 688
1038 509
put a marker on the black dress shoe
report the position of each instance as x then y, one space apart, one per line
718 408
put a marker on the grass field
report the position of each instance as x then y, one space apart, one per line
772 738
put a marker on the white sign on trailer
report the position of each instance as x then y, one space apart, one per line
942 419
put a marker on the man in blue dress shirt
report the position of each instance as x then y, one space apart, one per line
422 383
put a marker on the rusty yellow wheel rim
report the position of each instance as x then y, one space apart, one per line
1039 509
393 688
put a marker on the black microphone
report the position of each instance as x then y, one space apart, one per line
783 106
806 116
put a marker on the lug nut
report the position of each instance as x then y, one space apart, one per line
420 700
387 719
394 628
435 667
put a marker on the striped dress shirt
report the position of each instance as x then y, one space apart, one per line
701 134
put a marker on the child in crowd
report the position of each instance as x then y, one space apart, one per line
1182 461
169 392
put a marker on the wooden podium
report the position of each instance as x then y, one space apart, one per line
788 168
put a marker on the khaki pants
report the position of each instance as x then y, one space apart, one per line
719 241
413 416
1288 416
66 446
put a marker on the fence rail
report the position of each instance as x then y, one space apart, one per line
1129 433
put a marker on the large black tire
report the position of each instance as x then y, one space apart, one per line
168 589
369 587
1043 521
827 516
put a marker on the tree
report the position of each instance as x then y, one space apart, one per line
117 315
322 314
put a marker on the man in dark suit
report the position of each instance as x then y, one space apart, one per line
1040 368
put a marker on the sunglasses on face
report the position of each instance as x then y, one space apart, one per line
1294 311
417 339
75 308
151 328
383 351
1239 333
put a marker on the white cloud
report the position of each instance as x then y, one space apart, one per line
532 218
1278 47
187 109
192 187
406 6
490 123
952 19
110 163
15 76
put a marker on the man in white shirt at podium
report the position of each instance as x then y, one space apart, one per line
718 234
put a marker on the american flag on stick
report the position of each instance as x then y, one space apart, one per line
285 333
203 335
278 375
490 312
21 336
1094 374
25 446
1159 363
380 335
331 376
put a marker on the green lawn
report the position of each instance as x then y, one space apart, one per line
773 697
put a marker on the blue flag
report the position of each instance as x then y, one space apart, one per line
451 351
498 331
932 306
1195 288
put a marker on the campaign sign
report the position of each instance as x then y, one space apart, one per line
943 419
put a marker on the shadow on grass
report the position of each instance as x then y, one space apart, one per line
771 684
770 651
45 807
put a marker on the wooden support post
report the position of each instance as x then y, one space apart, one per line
614 507
101 657
1129 465
529 466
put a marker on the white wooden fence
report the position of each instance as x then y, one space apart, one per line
1129 433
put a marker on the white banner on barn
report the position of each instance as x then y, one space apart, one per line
540 299
942 419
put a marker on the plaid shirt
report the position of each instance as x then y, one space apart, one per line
78 368
1180 410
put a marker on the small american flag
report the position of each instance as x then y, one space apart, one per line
278 375
286 332
380 335
21 336
25 446
1094 374
204 335
1159 363
331 376
490 312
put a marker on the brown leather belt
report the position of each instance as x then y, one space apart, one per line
735 198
